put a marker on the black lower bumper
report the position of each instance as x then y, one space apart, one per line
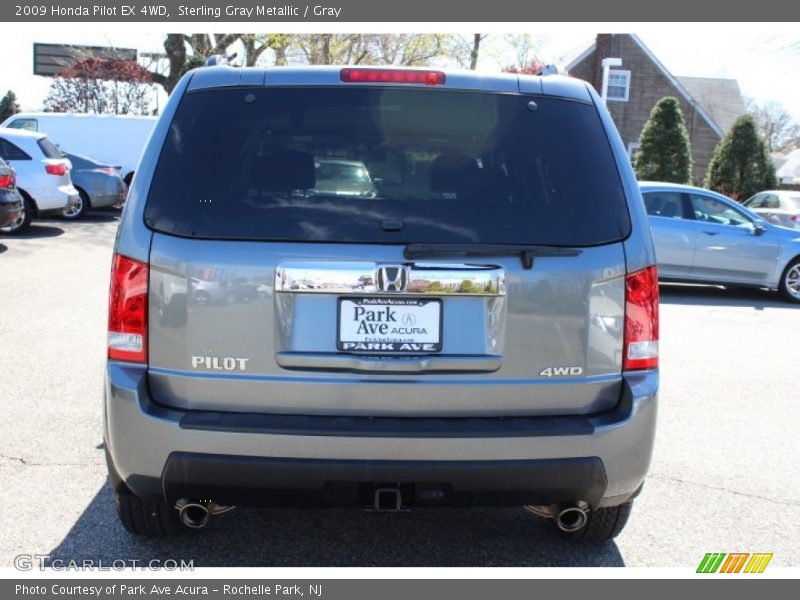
294 482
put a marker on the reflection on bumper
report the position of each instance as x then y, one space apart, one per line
10 212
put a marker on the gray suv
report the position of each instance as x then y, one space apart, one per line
481 328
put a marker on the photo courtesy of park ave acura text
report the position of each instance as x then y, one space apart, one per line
362 291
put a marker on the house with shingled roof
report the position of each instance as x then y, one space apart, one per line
710 106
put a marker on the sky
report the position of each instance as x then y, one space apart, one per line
764 58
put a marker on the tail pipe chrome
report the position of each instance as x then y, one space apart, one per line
196 514
572 518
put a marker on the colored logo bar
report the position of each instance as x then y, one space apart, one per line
734 562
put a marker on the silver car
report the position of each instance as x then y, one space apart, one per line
99 185
705 237
480 328
781 207
11 203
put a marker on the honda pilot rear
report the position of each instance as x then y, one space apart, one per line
385 288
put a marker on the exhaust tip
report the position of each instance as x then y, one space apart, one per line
572 519
194 515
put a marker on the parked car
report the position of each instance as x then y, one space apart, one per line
115 140
42 175
10 200
98 185
504 351
705 237
781 207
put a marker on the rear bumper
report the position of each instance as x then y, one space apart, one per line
287 460
111 192
106 200
54 200
10 211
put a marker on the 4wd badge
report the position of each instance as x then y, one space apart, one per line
561 372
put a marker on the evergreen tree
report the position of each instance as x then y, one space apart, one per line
665 151
8 106
741 165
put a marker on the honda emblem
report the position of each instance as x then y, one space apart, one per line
392 278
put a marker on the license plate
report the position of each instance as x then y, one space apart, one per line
408 325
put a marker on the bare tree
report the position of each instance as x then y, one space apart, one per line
406 49
777 126
525 46
466 49
329 48
185 51
255 44
477 38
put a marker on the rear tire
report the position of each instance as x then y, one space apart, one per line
21 224
145 518
77 212
604 524
790 282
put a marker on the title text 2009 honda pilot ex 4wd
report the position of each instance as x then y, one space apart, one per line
384 288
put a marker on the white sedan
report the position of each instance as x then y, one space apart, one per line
781 207
42 175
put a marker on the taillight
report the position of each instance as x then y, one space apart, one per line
7 181
56 169
127 310
418 76
109 171
796 219
641 320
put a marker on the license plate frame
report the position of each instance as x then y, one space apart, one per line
393 343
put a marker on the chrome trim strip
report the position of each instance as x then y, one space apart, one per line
388 364
361 278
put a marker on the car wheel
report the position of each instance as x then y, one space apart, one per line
202 298
146 518
23 221
790 281
603 524
76 211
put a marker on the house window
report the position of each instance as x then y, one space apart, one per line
619 84
633 150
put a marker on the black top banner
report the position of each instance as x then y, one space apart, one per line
444 11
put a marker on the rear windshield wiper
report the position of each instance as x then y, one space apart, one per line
526 253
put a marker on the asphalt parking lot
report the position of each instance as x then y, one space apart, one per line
723 479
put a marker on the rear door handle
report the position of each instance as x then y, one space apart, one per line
710 232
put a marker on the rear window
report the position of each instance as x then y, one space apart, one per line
391 165
792 203
49 149
11 151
